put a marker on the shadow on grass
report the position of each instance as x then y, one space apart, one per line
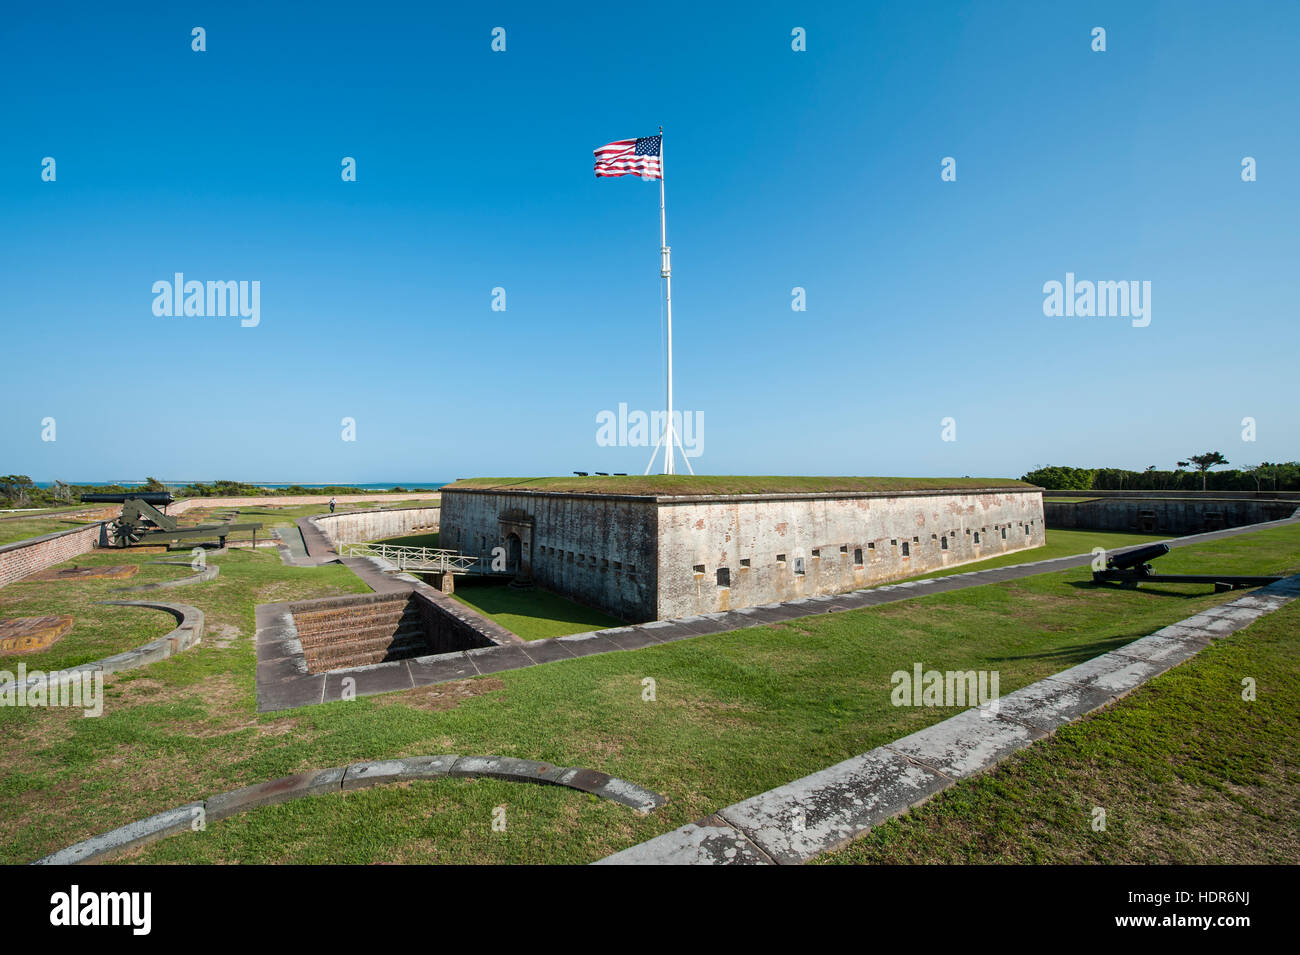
532 613
1145 589
1077 654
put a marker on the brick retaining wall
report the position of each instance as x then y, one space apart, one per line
30 556
356 526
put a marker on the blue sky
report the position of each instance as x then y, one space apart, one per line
818 169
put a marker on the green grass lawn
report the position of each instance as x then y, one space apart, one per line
272 515
246 578
1186 770
17 530
97 631
533 614
429 539
269 515
679 484
20 513
413 502
537 613
735 714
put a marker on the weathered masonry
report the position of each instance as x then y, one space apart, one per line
657 556
1170 516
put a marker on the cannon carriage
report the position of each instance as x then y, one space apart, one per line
141 520
1131 568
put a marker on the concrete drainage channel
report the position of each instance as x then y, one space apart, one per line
347 778
825 810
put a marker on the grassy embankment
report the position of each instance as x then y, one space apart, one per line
681 484
735 714
1186 770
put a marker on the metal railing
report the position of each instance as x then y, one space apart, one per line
433 560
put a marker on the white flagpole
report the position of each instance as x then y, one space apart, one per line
656 454
666 270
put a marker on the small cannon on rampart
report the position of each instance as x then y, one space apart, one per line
1131 568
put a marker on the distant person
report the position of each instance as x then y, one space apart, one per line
331 505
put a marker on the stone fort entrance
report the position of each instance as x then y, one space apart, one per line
517 532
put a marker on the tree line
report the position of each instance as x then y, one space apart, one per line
19 490
1197 473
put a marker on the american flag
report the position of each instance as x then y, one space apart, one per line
632 157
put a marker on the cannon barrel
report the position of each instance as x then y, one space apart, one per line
1135 558
149 497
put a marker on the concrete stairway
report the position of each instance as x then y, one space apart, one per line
335 638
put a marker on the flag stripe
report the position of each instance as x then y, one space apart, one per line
626 157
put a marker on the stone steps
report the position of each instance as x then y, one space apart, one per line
324 620
394 621
364 652
345 635
362 634
352 626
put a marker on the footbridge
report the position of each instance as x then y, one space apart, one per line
423 560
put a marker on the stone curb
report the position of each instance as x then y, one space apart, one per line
188 633
794 823
125 837
347 779
208 573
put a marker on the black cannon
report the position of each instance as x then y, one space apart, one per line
1140 555
1130 568
140 519
149 497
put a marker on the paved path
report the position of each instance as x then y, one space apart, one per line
306 545
805 818
293 550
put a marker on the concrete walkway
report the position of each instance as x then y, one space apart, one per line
805 818
305 545
292 549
